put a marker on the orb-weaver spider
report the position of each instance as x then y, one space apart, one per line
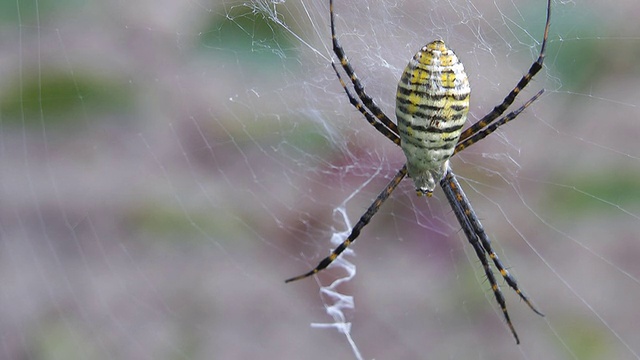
432 103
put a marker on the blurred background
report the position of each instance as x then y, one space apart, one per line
165 165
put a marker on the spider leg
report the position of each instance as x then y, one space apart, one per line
471 216
495 125
510 98
456 197
357 85
370 119
355 232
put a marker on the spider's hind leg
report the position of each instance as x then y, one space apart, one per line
478 238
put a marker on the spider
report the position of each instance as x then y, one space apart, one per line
432 102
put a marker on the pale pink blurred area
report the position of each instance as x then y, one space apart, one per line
164 166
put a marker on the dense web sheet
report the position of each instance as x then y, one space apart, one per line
164 166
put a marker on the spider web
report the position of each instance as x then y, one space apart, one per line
166 165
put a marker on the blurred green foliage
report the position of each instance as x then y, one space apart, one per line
29 11
587 340
246 36
61 100
611 187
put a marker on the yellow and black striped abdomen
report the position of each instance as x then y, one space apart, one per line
431 107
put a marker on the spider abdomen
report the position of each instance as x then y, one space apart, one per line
432 103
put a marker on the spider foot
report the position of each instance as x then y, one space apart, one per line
528 302
300 277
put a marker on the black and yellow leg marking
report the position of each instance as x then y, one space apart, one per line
358 105
357 85
495 125
478 238
511 97
355 232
